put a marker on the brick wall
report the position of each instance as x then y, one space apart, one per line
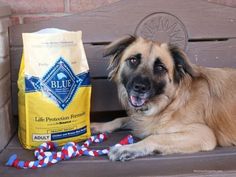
25 11
6 120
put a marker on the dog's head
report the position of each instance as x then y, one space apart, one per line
147 72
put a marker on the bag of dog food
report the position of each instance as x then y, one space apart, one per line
54 88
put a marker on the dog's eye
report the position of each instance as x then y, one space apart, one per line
159 69
133 61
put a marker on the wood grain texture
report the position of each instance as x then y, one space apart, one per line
231 3
104 97
211 32
219 162
211 54
104 94
97 64
201 19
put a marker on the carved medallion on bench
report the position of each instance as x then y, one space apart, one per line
163 27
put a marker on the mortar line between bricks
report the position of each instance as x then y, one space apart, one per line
3 32
5 57
67 5
43 14
5 16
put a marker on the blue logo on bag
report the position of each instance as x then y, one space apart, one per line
59 83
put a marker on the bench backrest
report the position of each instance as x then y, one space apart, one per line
206 31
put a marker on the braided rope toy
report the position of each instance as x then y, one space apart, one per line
46 154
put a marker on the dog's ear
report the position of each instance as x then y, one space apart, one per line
115 49
182 64
118 46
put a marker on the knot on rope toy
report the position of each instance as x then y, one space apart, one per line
47 155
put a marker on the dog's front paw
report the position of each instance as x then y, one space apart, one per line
100 127
96 128
122 153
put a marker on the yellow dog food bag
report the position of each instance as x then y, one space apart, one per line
54 88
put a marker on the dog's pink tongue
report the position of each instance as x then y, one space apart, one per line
137 101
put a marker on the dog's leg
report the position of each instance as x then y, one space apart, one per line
192 138
109 126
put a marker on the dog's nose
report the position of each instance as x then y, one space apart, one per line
141 86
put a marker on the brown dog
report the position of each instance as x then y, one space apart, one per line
175 106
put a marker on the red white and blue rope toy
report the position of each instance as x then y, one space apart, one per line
46 154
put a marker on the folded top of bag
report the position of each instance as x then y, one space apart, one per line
50 31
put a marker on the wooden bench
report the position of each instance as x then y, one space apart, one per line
206 31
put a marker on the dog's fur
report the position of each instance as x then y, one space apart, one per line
173 105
